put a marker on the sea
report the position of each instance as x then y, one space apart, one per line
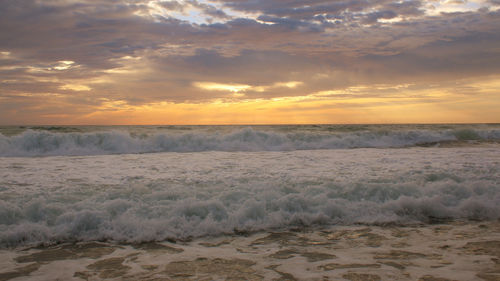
131 184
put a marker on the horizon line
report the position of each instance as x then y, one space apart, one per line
257 124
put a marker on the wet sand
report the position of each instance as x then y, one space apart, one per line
438 252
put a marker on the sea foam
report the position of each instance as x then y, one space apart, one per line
177 196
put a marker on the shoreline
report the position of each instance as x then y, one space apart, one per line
458 250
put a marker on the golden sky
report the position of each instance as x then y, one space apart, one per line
249 62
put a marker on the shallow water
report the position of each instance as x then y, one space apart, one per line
458 250
158 196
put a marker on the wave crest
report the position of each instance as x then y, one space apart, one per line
45 143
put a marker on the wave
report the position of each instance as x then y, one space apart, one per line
157 196
137 216
46 143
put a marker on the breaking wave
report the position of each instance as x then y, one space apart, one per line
47 143
137 216
154 197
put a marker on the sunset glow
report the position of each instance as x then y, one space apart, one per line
258 62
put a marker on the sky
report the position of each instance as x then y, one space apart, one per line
116 62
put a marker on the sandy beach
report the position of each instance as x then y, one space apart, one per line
439 252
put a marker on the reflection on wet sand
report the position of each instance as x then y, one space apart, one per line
452 251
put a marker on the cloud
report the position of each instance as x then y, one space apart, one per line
85 53
75 87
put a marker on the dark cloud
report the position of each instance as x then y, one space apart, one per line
209 10
172 5
375 16
406 8
308 10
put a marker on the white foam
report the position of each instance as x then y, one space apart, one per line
157 196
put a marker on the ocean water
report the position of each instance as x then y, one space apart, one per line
96 140
146 183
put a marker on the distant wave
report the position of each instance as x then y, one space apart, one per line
47 143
